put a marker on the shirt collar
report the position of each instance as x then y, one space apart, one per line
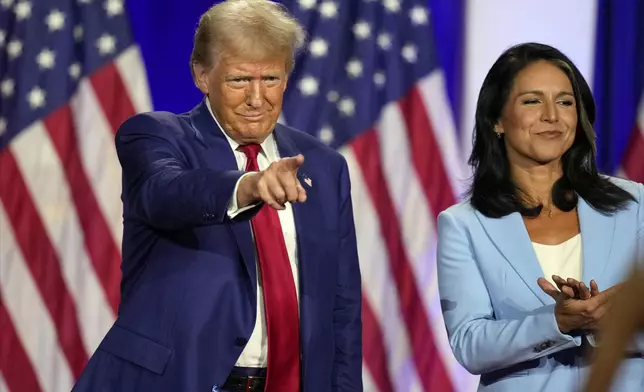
269 147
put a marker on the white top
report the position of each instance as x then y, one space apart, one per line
255 353
563 259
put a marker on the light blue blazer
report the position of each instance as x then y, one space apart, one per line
500 324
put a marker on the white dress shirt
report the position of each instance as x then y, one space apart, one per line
255 353
563 259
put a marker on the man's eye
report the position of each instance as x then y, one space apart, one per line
237 82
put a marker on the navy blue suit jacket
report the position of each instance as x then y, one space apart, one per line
188 303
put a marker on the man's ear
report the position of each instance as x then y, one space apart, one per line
201 77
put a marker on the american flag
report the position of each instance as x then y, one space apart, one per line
369 84
70 73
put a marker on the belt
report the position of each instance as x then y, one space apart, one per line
235 383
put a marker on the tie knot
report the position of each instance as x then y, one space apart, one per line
250 150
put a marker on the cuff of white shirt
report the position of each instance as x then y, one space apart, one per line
233 209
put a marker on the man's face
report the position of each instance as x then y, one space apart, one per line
246 96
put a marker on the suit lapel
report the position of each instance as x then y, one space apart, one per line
511 238
309 246
597 232
219 156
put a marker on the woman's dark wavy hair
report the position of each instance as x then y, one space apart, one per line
492 192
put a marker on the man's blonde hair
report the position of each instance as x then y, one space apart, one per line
252 29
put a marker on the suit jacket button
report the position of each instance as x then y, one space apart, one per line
543 346
241 342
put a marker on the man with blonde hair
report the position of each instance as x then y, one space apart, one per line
240 265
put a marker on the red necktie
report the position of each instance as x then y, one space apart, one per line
280 298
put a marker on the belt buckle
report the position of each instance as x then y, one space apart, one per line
249 381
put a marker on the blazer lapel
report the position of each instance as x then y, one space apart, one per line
309 247
511 238
218 155
597 231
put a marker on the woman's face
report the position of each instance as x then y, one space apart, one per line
539 119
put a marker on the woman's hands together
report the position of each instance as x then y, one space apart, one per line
577 306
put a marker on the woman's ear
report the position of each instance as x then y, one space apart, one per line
498 129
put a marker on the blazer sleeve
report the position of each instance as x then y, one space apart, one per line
159 187
347 312
480 342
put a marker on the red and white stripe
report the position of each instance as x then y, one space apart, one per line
403 172
60 230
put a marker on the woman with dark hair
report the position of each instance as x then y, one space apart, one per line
528 264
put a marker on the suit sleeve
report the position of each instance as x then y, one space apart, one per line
480 342
347 322
159 187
